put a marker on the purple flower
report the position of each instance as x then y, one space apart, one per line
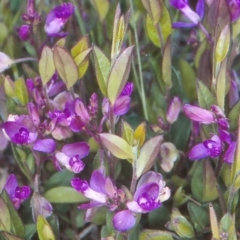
24 32
82 111
17 194
101 191
234 6
199 114
57 18
149 195
230 153
127 90
194 17
209 148
71 156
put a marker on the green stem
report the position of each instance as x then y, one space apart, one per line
143 96
79 19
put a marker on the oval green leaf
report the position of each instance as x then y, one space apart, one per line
119 74
65 66
117 146
5 219
102 68
46 65
21 91
44 230
147 155
64 195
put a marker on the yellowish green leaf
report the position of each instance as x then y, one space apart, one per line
140 134
221 85
153 8
119 30
80 46
21 91
222 46
46 65
61 42
147 155
65 66
164 25
214 222
5 219
81 57
44 230
167 64
119 74
155 235
102 67
9 86
127 132
102 7
117 146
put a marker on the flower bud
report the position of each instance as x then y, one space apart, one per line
199 114
174 110
24 32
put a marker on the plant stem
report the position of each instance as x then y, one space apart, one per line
19 60
143 96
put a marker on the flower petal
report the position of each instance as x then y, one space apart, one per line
124 220
10 185
45 145
97 182
198 152
80 148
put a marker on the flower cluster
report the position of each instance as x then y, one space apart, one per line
214 146
149 195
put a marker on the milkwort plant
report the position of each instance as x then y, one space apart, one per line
120 119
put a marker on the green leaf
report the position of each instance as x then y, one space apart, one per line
205 97
102 7
203 183
119 74
44 230
65 66
233 116
167 64
182 227
222 46
20 157
21 91
8 236
117 146
153 8
9 86
80 46
214 222
155 235
221 85
147 155
199 216
188 77
227 225
30 229
5 219
164 25
64 195
16 222
102 68
119 30
46 65
60 178
127 132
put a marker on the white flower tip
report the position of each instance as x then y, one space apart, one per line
5 62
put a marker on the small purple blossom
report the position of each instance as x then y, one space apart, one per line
194 17
57 18
24 32
149 195
16 193
208 148
234 6
71 156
